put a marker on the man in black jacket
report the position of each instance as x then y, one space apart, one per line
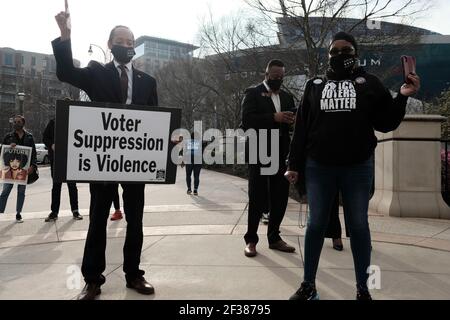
268 107
116 82
48 137
19 137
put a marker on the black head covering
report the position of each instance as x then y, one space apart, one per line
347 37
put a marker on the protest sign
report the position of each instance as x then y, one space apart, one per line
104 142
15 163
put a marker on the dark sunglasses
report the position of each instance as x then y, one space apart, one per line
344 50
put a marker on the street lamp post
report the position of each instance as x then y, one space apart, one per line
21 97
90 51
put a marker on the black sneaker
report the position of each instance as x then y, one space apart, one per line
307 291
51 217
19 218
363 294
195 193
77 215
189 191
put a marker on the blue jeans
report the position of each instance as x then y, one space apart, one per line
196 168
322 185
7 187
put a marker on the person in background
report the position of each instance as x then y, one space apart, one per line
19 137
267 106
334 230
117 215
48 137
194 160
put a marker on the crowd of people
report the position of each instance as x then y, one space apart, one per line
330 153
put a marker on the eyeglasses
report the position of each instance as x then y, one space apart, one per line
344 50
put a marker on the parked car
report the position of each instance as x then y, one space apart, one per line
42 154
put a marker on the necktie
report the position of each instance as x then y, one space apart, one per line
124 82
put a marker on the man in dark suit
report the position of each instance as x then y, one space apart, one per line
116 82
48 137
268 107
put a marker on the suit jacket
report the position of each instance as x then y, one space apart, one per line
101 82
258 113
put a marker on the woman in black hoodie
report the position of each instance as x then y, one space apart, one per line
333 149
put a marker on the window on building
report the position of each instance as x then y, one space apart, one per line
8 59
10 80
7 105
162 46
163 54
174 52
9 70
22 59
9 88
8 98
33 61
44 63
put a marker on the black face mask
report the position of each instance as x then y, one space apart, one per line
123 54
18 126
342 64
275 85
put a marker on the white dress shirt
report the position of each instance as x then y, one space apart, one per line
275 97
129 67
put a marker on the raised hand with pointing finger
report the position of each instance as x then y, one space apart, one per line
63 20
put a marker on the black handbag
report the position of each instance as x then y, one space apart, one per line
34 176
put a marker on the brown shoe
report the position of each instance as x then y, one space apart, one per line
89 292
282 246
141 286
117 215
250 250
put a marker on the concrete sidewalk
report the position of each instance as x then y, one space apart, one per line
193 249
